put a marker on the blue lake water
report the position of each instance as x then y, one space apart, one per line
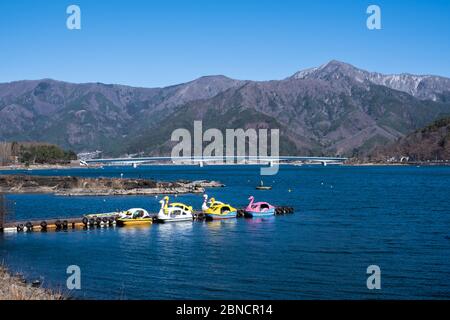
346 219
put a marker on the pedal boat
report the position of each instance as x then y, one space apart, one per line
219 210
258 209
135 216
173 212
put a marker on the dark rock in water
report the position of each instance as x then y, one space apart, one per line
36 283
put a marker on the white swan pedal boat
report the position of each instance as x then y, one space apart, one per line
173 212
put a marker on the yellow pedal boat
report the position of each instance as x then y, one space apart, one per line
135 216
219 210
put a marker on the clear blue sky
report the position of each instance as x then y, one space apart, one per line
164 42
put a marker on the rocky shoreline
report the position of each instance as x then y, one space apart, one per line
15 287
80 186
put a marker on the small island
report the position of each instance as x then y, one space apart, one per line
81 186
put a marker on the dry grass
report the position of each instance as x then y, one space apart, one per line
13 288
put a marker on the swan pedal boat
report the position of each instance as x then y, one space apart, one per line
258 209
135 216
173 212
218 210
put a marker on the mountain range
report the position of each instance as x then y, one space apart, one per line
334 109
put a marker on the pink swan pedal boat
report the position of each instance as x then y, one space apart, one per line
258 209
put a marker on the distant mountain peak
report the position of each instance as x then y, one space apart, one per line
337 64
425 87
333 67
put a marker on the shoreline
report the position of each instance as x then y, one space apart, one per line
16 287
355 164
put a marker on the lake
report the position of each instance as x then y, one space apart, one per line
346 219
